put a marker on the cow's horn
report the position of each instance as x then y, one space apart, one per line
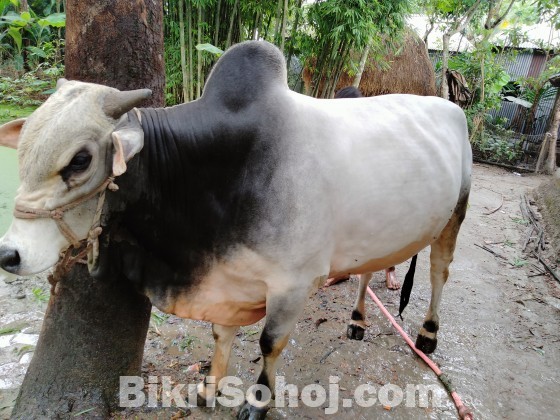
117 103
60 82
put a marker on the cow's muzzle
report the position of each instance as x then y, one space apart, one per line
9 258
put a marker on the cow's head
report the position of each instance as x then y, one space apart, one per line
67 149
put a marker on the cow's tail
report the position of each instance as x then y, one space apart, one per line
407 286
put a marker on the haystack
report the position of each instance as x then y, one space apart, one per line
411 71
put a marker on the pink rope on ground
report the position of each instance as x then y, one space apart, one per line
463 411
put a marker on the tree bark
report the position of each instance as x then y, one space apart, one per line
117 43
94 329
284 24
550 165
444 89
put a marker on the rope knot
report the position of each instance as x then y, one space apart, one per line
94 233
57 214
112 186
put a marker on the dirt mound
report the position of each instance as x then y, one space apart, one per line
548 197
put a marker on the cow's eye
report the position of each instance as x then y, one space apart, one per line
80 161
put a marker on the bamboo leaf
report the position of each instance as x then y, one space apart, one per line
209 48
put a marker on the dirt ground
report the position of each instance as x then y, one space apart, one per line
499 340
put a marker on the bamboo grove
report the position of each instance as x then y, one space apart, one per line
331 36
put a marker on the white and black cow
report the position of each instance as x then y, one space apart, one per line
243 202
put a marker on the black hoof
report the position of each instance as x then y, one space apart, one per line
249 412
425 344
355 332
201 401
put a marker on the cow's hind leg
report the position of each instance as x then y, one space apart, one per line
223 340
357 325
282 313
440 257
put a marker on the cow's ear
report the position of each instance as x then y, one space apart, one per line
9 133
127 142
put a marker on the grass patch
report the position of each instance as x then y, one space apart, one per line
9 330
185 343
40 295
159 318
12 112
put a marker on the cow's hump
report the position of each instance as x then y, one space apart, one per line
247 72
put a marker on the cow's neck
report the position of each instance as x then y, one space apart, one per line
186 202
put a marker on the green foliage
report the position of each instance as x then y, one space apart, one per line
31 89
26 37
549 11
40 295
493 143
185 343
158 318
9 330
9 112
519 262
337 28
210 48
495 76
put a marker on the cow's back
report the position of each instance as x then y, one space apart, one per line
375 178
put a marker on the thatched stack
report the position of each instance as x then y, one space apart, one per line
411 71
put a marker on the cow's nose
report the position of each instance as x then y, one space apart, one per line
9 260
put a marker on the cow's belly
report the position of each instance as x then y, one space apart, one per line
220 310
231 293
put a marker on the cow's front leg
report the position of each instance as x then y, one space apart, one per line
223 340
281 317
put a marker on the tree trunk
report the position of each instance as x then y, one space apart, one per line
199 55
190 51
550 165
183 51
217 23
231 22
362 66
444 89
255 25
482 79
294 32
94 329
284 24
93 332
117 43
277 21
